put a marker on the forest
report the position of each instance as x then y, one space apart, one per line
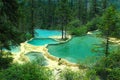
20 18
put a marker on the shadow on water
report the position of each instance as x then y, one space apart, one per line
37 57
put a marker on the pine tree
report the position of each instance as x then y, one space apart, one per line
108 23
94 10
63 14
82 10
9 34
104 4
32 18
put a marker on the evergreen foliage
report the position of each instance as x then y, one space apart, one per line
109 22
19 18
71 75
27 71
63 14
109 68
8 29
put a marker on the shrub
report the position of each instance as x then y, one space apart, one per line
79 31
70 75
27 71
93 24
5 60
109 67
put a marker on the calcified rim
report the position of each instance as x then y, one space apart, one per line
51 57
26 47
54 58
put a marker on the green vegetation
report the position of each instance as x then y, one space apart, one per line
79 31
108 68
19 18
63 14
70 75
8 30
5 60
109 24
27 71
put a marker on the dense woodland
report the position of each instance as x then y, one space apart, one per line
76 17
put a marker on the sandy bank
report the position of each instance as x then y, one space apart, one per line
114 40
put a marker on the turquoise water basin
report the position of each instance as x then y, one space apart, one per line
41 41
37 57
13 49
75 50
78 49
41 33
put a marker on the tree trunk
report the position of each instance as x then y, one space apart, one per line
65 33
107 44
62 31
104 4
65 28
0 51
32 15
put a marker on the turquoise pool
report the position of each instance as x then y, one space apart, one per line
78 49
43 33
13 49
37 57
42 41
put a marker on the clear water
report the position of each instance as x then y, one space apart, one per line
41 33
33 55
37 57
13 49
78 49
42 41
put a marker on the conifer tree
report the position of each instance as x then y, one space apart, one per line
9 34
108 25
63 14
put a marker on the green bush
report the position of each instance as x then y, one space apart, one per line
76 28
91 75
110 22
93 24
5 60
40 60
109 67
114 74
74 23
28 71
79 31
71 75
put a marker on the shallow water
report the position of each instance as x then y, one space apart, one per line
13 49
33 55
42 41
41 33
37 57
78 49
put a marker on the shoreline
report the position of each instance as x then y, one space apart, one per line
114 40
51 60
25 48
111 39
